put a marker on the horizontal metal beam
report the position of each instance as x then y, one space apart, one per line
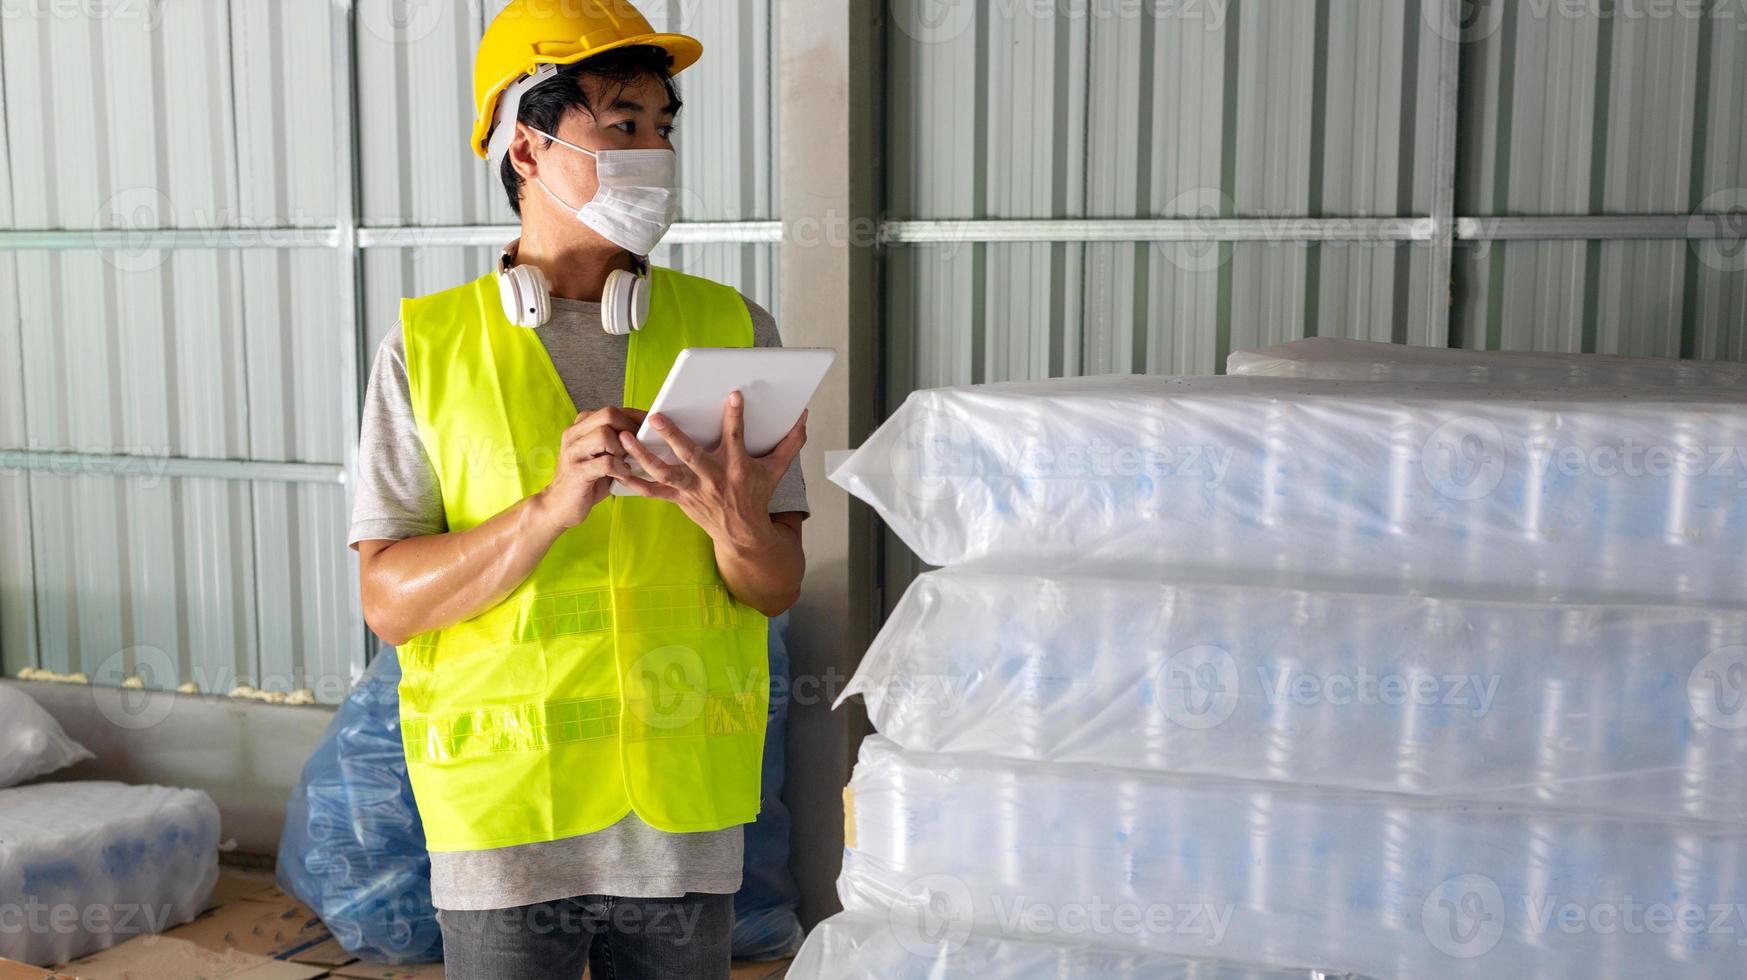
1677 227
1162 230
495 236
153 239
470 236
725 233
687 233
1669 227
162 467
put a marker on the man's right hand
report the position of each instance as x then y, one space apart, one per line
416 585
590 457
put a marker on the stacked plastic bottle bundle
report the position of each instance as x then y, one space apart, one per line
1586 706
857 946
1381 678
1382 884
1337 359
1621 494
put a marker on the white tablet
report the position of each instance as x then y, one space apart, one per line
777 383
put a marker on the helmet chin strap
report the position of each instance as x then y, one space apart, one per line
509 107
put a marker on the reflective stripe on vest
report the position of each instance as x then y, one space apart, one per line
622 675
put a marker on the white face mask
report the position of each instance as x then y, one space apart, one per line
636 203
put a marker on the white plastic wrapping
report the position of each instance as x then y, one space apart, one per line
1600 493
32 742
1335 359
1622 709
1383 885
84 866
850 946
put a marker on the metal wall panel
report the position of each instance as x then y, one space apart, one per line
221 355
295 400
294 396
193 116
1269 109
415 97
282 64
1257 108
142 136
1651 299
1159 109
139 357
17 588
1638 112
939 334
1714 321
1570 112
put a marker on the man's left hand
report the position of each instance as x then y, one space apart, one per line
724 490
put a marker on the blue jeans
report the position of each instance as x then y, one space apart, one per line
618 938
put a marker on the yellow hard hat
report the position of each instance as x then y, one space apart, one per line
530 33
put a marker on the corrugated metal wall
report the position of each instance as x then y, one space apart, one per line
196 114
1625 115
1281 108
191 116
1126 110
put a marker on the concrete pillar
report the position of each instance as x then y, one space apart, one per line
830 82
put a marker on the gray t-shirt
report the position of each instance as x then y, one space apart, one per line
398 498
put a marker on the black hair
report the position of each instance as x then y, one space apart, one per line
546 105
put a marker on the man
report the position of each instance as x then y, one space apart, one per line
585 674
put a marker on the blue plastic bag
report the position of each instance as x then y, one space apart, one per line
354 848
765 924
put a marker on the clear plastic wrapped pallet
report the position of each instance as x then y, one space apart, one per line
1619 709
1337 359
892 946
87 865
1379 884
1598 493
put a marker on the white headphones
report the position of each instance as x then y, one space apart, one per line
527 299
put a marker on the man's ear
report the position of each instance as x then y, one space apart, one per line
521 153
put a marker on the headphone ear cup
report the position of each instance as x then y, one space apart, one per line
526 297
619 310
540 292
639 301
511 297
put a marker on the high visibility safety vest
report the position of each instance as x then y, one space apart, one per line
622 675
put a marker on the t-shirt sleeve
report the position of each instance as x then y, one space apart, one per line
398 496
791 493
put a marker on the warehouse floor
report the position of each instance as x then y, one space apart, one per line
253 931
